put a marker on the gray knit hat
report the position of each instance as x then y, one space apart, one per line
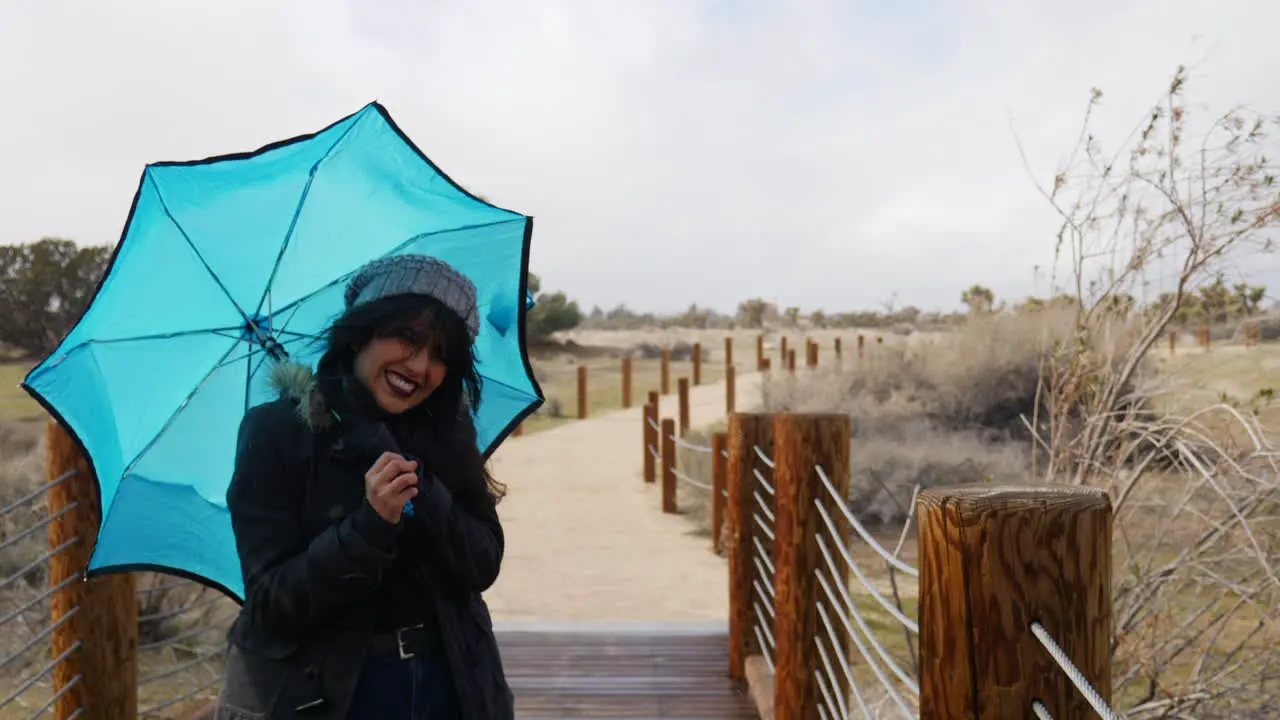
416 275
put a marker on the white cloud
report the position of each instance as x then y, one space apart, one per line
827 153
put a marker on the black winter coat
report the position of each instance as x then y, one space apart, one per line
312 551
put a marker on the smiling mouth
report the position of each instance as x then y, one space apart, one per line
401 385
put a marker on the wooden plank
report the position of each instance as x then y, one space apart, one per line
610 674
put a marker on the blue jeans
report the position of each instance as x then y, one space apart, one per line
419 688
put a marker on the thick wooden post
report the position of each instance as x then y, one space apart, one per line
100 638
1205 338
1173 341
719 465
697 363
839 352
665 371
682 393
651 446
861 342
791 359
730 389
747 431
626 381
994 560
760 352
765 364
654 398
668 465
782 352
728 350
802 443
582 392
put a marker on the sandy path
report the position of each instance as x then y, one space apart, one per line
586 540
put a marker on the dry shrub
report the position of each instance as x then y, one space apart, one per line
1195 586
940 411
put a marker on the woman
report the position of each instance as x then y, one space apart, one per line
365 518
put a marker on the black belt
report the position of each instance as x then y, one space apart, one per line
404 643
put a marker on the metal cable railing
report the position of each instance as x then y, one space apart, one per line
27 663
761 534
838 611
182 639
1081 683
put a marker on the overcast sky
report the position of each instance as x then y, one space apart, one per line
826 154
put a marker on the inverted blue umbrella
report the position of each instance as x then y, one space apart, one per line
227 265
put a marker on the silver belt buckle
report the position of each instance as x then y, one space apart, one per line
404 654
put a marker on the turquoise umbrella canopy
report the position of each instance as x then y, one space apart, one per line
225 258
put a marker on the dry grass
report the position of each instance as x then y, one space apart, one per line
15 404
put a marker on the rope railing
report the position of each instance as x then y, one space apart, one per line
27 617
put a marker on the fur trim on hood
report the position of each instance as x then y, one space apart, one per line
297 382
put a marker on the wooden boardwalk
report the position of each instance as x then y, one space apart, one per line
579 672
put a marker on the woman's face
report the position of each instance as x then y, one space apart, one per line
398 375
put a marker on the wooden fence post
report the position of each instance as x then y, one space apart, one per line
803 443
730 389
100 676
782 352
665 372
765 364
697 363
861 342
626 381
668 465
839 352
649 420
1173 341
728 350
791 359
747 431
719 464
760 352
682 393
582 392
994 560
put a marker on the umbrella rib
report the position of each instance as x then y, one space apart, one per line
178 411
297 212
158 336
191 244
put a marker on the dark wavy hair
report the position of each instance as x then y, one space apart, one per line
442 428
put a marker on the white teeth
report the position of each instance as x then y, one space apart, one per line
400 383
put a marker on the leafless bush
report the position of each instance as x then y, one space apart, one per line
1195 587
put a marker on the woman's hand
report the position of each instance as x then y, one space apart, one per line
391 482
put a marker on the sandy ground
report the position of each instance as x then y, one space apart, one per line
587 540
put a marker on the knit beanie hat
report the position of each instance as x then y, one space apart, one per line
416 275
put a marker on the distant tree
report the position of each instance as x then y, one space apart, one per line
980 299
752 313
551 313
818 318
793 316
44 288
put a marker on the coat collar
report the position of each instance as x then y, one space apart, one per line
298 383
